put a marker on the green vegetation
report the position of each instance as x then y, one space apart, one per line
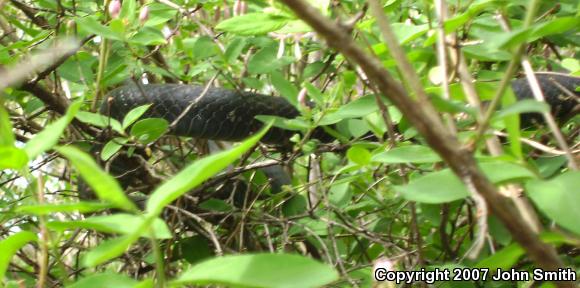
378 195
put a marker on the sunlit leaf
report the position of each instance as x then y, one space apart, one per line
286 88
11 245
358 155
108 250
407 154
358 108
107 279
134 114
252 24
444 186
48 137
128 10
524 106
104 185
99 120
116 224
44 209
260 270
148 36
112 147
6 135
159 14
406 33
284 123
512 123
93 26
12 158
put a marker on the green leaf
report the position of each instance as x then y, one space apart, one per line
359 155
358 108
78 69
93 26
406 33
105 280
510 39
234 49
509 256
357 127
294 206
512 124
44 209
128 10
314 93
120 223
407 154
134 114
6 134
266 61
444 186
116 246
216 205
260 270
12 158
550 165
148 36
571 64
252 24
147 283
149 130
558 198
11 245
196 173
112 147
108 250
523 106
202 48
555 26
104 185
284 87
118 26
159 14
193 249
99 120
486 52
48 137
284 123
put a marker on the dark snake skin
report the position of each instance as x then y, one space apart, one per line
564 104
220 114
228 115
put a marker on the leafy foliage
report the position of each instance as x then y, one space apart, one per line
91 201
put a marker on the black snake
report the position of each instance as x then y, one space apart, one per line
229 115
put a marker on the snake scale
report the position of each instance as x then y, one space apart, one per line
229 115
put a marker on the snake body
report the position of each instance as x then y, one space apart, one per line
219 114
229 115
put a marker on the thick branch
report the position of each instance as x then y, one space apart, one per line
429 124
